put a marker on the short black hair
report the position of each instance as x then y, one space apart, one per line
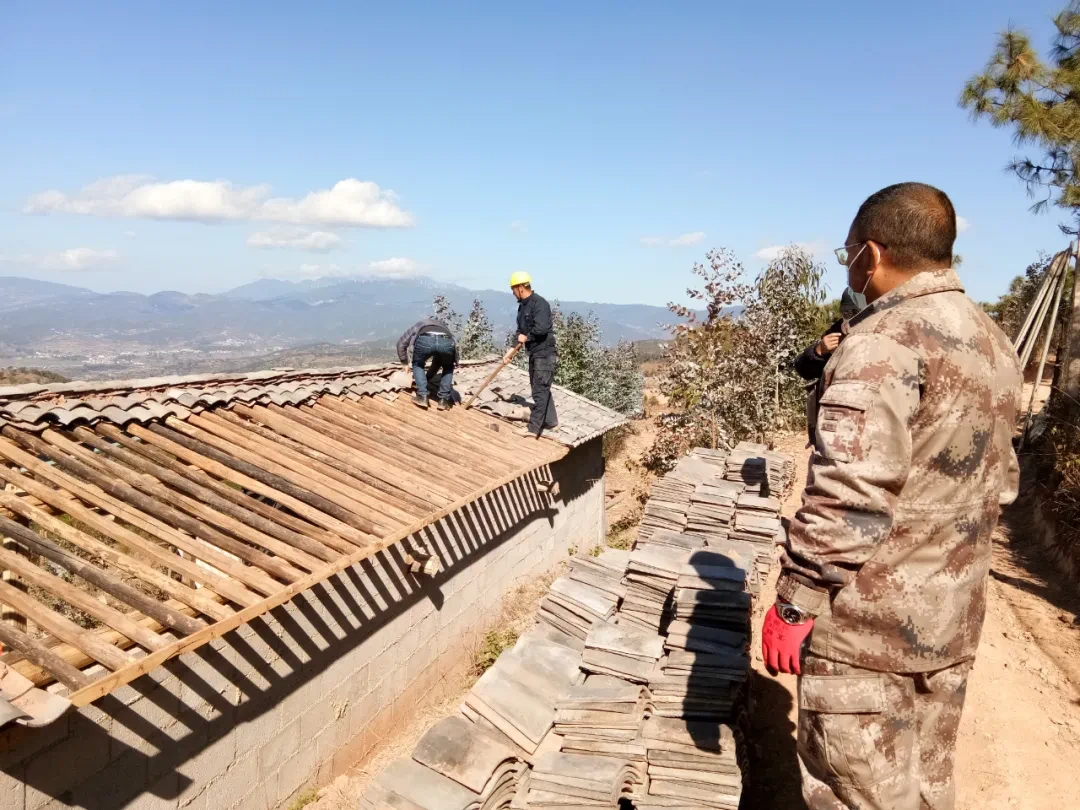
914 221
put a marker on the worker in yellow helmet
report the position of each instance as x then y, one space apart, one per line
537 336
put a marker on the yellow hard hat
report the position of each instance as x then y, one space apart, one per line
520 278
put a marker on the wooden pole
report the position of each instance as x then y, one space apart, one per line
505 362
1042 359
1070 376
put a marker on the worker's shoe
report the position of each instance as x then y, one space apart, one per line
528 434
552 427
444 404
419 401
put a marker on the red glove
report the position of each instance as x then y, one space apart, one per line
781 642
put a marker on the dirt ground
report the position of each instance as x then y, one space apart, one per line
1019 741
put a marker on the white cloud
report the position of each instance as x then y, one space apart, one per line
816 249
518 226
296 238
962 224
687 239
62 261
678 241
397 267
350 203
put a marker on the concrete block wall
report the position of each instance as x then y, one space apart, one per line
296 697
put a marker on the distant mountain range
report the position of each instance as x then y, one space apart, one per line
82 333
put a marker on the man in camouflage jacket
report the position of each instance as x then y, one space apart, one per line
887 560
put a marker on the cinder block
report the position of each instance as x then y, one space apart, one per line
296 771
68 763
209 763
160 796
258 727
279 749
231 786
315 719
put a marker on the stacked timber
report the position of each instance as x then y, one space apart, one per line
603 717
651 575
691 765
622 651
603 572
573 606
561 780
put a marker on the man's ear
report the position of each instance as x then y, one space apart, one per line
876 252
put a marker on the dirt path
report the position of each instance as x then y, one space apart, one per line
1020 736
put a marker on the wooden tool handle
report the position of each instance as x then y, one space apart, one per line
505 362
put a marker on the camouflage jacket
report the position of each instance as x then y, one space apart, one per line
912 462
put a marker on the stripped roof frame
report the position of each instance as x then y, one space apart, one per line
196 504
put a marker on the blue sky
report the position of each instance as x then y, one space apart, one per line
604 147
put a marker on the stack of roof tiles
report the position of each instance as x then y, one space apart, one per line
650 582
669 500
712 509
561 780
455 766
760 470
603 717
622 651
603 572
692 765
658 721
517 696
573 606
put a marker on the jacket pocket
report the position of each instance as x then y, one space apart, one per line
842 411
845 732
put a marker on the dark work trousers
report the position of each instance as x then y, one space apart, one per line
440 349
541 373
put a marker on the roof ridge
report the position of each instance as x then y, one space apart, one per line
108 387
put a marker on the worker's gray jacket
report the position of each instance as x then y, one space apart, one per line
425 327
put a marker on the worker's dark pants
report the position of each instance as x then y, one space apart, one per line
541 373
440 349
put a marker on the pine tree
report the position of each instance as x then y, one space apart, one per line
1040 101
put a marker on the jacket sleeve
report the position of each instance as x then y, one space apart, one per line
861 461
406 340
810 365
541 325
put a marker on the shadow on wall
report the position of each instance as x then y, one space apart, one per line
259 695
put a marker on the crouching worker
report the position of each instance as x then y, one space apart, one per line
430 339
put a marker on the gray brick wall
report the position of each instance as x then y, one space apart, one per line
293 699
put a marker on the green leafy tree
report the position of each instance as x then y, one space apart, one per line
445 313
477 336
1039 100
729 374
608 375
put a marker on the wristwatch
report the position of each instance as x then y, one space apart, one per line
790 613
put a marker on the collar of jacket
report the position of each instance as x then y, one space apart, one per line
928 282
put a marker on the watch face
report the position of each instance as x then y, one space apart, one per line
791 615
